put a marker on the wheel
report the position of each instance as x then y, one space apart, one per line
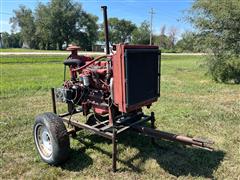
51 138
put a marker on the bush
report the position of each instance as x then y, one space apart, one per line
170 50
217 24
224 68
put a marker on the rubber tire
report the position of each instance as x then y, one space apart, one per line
58 136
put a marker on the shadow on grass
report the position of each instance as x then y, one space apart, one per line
175 158
78 160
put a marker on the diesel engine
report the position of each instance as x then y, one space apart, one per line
122 81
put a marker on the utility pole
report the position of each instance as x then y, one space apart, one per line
151 19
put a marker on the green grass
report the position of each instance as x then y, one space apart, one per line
30 50
12 59
191 103
25 50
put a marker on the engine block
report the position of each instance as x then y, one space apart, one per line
124 81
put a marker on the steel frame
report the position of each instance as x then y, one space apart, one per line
111 130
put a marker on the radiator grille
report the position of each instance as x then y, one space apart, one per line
142 72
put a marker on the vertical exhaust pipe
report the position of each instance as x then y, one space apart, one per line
104 8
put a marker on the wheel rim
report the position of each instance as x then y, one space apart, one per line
43 141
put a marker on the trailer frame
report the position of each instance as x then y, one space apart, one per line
137 123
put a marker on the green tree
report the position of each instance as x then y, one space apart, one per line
63 19
141 34
120 30
56 23
218 24
25 20
86 33
15 39
189 42
162 40
166 41
172 37
72 22
11 40
6 40
43 26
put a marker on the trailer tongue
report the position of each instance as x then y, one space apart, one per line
194 142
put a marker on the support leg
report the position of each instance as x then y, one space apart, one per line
111 115
114 151
152 126
53 101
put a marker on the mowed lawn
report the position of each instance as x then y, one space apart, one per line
191 103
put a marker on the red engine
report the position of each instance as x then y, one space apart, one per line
115 84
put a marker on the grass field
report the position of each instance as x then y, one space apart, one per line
25 50
191 103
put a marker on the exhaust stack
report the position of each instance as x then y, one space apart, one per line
104 8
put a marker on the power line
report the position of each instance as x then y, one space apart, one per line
151 19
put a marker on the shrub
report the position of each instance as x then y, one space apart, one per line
217 24
224 68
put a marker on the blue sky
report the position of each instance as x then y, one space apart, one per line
168 12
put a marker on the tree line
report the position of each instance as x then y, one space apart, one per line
54 24
60 22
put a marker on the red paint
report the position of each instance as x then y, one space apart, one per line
100 68
100 110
